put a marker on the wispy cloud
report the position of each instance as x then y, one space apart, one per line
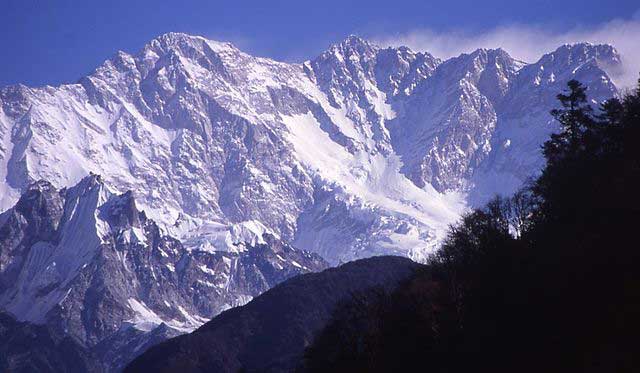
530 42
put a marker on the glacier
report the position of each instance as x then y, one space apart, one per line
360 151
175 183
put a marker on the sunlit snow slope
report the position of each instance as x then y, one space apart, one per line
358 152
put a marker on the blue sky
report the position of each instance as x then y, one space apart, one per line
57 41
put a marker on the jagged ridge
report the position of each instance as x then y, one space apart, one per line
88 264
360 151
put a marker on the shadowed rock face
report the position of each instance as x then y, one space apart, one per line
26 348
34 218
90 267
346 154
269 334
234 157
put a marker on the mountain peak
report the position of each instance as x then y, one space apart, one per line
491 53
177 37
482 61
355 41
184 44
584 51
40 186
91 190
121 211
36 191
91 181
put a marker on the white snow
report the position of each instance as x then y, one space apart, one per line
144 318
207 270
373 179
178 166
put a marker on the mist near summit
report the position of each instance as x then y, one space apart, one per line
527 42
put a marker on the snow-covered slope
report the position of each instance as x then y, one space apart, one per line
523 120
360 151
90 265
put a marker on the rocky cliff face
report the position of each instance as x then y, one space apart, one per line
270 333
524 122
26 347
88 264
360 151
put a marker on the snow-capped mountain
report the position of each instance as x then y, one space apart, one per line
88 264
235 160
360 151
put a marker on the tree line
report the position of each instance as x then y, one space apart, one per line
545 280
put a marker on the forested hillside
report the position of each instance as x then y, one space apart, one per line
545 280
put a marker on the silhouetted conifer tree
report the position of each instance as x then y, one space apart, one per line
544 281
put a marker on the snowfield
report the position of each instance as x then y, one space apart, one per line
361 151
